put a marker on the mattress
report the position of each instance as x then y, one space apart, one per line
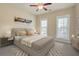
28 40
40 44
39 48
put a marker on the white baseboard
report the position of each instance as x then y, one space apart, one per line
64 41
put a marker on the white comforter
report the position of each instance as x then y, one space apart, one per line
28 40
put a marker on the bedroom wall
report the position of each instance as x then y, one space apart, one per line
77 17
51 17
7 14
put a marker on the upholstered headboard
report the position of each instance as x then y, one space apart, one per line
14 31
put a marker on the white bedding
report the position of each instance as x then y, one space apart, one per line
28 40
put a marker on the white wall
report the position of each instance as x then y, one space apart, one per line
77 17
7 14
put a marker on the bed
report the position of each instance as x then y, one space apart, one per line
34 45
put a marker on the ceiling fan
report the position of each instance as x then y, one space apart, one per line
41 6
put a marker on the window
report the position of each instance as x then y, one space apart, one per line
62 30
43 26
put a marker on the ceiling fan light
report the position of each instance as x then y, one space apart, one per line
40 7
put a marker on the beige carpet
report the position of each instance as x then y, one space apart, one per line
56 51
60 49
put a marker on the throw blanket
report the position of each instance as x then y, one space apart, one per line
28 40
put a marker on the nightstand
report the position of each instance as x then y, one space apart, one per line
5 41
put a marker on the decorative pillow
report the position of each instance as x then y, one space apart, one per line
30 31
21 33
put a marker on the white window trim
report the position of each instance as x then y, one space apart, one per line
68 25
47 25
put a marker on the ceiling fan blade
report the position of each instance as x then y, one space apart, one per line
34 5
45 8
47 4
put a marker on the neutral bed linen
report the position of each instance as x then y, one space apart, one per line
37 44
38 48
28 40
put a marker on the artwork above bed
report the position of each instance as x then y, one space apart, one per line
19 19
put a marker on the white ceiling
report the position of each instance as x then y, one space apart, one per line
53 7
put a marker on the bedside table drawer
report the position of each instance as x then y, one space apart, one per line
3 39
5 42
